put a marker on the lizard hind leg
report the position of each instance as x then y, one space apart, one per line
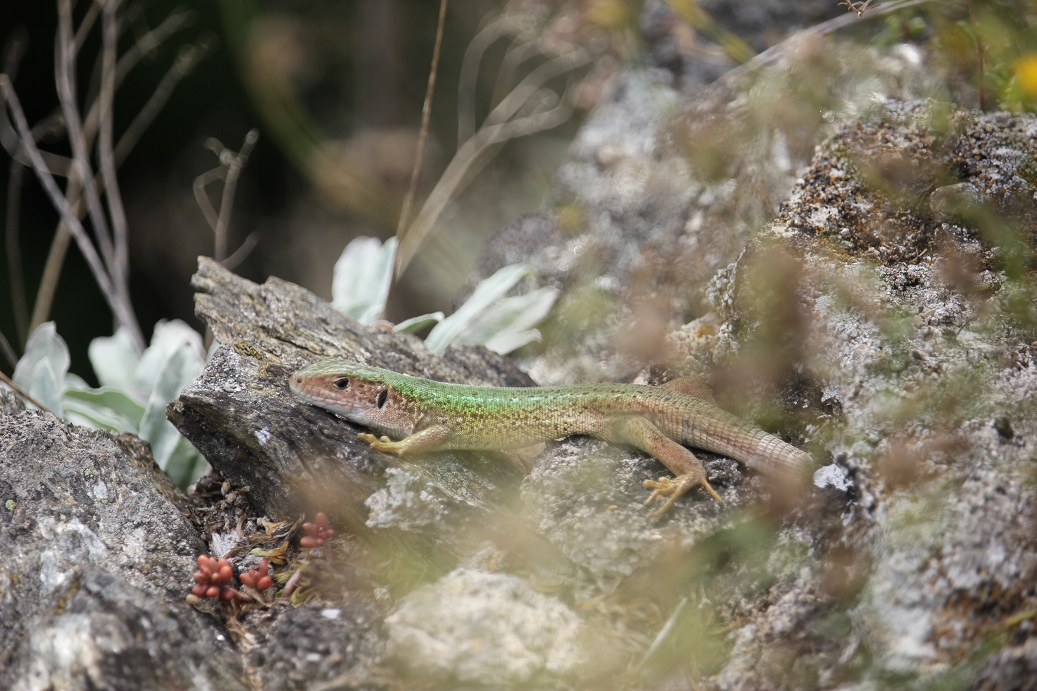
428 439
687 469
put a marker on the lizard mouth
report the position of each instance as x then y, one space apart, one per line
323 395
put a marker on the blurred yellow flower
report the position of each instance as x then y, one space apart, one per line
1026 75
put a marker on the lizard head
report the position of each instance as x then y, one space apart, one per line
359 393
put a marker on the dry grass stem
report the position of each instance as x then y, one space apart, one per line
426 115
88 192
229 171
528 108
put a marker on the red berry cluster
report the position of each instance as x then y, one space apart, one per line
258 578
212 578
316 532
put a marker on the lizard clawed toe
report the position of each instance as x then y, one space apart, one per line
671 489
383 444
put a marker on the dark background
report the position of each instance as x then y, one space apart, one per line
355 71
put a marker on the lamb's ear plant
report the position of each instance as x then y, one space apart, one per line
135 387
79 178
490 317
361 278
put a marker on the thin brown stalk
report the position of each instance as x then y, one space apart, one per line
501 125
19 302
184 65
144 44
92 13
46 179
51 275
86 187
234 165
201 197
8 351
518 53
59 165
426 115
65 70
13 53
149 41
105 146
731 77
22 392
244 249
533 82
231 165
121 310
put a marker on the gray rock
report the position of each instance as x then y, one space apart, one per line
98 557
474 627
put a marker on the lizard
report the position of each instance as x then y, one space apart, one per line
426 415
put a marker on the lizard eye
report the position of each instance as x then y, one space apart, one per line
383 395
341 383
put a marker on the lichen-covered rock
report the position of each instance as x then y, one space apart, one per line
913 327
97 560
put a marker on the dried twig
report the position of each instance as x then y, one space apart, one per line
14 252
92 12
65 70
185 63
8 351
105 146
231 165
521 50
859 7
106 251
22 392
59 202
772 54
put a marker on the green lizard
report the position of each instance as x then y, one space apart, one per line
428 415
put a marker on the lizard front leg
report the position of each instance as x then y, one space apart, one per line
429 439
688 470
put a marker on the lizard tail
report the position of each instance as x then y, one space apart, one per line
774 457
